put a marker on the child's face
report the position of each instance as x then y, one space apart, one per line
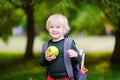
56 32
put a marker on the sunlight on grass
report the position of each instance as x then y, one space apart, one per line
102 66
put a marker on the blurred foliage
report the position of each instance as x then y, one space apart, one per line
44 36
112 10
41 12
86 16
9 18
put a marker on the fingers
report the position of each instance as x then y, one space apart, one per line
72 53
49 57
84 70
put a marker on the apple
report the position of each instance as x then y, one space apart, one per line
52 50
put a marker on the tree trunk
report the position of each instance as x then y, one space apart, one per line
116 53
30 30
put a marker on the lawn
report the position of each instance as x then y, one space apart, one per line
100 67
14 67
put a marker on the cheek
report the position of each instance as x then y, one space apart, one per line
63 31
50 30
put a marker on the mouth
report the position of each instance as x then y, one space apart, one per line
54 33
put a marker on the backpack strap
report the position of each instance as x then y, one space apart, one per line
67 59
42 60
44 46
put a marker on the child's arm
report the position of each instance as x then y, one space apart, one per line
42 60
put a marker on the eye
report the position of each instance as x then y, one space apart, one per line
51 27
58 26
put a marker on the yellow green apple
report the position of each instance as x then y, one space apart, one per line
52 50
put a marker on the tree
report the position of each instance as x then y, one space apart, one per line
28 7
111 9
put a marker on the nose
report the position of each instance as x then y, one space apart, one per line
54 29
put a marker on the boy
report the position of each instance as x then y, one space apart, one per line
57 26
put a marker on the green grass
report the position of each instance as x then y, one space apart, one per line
14 67
100 68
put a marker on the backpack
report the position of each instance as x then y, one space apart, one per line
72 69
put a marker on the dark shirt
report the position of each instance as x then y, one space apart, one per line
56 68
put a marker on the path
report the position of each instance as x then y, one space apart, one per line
97 43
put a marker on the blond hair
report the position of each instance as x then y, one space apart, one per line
58 19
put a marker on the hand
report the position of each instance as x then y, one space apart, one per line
49 57
72 53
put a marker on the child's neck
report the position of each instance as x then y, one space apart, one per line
55 40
